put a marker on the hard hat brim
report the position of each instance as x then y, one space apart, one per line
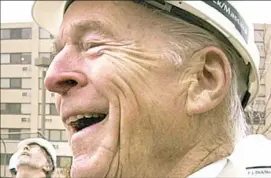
51 18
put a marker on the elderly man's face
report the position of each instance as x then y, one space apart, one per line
32 155
109 64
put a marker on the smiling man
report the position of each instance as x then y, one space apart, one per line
150 89
36 158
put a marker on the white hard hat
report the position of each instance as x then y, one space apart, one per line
13 161
44 144
220 15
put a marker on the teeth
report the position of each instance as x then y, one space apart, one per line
77 117
95 115
88 115
72 119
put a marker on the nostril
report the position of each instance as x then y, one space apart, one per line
62 82
69 83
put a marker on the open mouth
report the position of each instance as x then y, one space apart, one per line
25 154
80 122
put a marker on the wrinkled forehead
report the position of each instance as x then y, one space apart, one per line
121 12
122 20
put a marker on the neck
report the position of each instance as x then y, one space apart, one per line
207 150
25 171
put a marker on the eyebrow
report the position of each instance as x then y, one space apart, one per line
79 30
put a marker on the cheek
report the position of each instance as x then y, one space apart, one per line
103 74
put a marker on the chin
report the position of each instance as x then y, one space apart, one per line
97 166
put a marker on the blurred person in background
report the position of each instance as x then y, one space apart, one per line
36 158
152 88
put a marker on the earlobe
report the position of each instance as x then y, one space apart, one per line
211 81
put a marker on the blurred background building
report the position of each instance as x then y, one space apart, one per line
23 45
259 113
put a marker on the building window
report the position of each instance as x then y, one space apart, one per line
15 83
45 55
25 133
5 157
20 58
4 133
55 135
64 136
5 83
5 58
16 33
46 109
5 34
15 134
64 161
26 33
53 110
10 108
26 58
15 58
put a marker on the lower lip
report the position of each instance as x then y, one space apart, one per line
87 132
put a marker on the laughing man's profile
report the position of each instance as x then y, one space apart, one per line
152 88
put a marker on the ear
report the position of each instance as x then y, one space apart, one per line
211 82
47 167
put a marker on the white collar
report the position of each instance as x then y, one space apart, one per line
211 170
253 150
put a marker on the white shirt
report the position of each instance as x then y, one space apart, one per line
251 158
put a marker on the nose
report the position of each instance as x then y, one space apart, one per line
26 148
63 74
62 82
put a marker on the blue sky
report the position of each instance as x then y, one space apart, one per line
20 11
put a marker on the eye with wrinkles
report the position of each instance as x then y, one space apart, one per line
90 45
